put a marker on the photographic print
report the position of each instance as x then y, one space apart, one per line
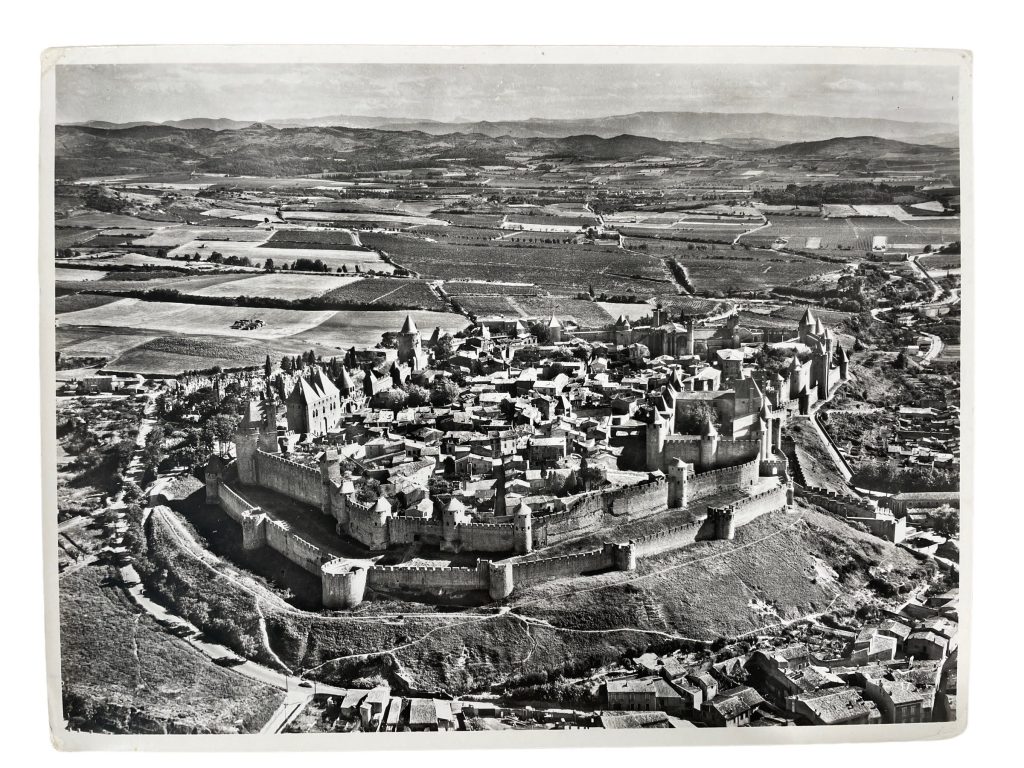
607 395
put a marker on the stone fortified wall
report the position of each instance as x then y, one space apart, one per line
588 511
294 480
729 451
706 484
881 522
233 505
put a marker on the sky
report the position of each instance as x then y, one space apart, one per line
455 92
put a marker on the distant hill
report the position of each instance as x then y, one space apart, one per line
260 149
720 127
857 147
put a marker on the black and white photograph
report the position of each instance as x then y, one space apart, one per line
577 392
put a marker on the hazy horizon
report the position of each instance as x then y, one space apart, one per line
124 93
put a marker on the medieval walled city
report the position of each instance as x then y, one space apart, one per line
380 425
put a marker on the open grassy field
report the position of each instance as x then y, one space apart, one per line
174 317
78 301
258 254
122 673
172 354
279 285
814 459
78 275
100 220
178 234
778 567
121 282
169 337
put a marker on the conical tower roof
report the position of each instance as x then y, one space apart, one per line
708 429
409 326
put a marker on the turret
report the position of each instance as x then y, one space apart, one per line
245 454
554 330
409 344
844 363
708 445
268 427
522 531
214 473
807 324
345 385
498 468
766 432
657 430
795 376
453 516
678 479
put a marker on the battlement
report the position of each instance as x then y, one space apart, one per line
726 471
422 569
311 471
881 522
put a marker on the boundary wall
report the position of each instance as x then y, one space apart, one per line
881 522
709 483
297 481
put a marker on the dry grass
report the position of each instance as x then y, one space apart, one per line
122 673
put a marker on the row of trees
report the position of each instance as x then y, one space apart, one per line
444 393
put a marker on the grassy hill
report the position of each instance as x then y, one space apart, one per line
779 568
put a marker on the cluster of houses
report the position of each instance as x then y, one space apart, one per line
898 669
926 435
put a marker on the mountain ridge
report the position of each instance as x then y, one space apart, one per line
664 125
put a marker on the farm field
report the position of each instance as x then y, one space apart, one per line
587 314
631 312
101 220
99 342
123 282
175 317
569 269
258 254
364 328
938 263
312 238
461 288
488 305
380 219
853 233
119 258
279 285
387 291
750 271
170 355
76 301
79 275
179 234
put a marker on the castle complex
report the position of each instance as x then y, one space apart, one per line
591 440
